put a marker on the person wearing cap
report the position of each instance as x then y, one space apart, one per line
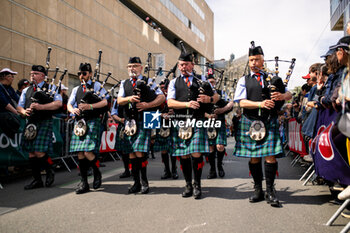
88 145
23 83
217 145
140 142
41 146
342 54
254 97
7 93
188 103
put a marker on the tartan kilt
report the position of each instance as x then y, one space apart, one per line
198 143
43 140
141 140
271 145
161 144
120 144
91 141
221 139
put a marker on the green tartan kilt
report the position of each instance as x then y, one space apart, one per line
198 143
141 140
91 141
271 145
43 140
120 144
161 144
221 139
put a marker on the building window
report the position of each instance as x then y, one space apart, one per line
197 8
178 13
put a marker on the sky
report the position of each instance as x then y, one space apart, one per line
285 28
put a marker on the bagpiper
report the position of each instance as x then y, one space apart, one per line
131 96
37 136
87 107
189 142
258 130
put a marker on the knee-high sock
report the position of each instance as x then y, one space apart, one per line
257 174
186 169
165 158
143 167
270 174
197 169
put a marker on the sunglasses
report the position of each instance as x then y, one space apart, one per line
84 73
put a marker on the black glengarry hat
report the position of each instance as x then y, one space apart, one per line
253 51
133 60
185 56
85 67
39 68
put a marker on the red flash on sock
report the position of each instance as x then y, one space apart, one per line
206 159
277 174
200 165
181 167
97 163
130 166
225 153
144 164
250 174
178 158
49 160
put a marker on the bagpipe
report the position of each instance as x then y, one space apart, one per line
43 95
146 93
91 97
204 88
275 83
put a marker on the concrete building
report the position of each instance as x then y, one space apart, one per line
77 29
339 14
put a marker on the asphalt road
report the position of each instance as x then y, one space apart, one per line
223 208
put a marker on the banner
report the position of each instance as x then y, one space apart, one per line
329 163
295 139
108 138
10 149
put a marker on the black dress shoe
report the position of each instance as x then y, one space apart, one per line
188 191
272 199
50 177
166 175
125 174
212 175
175 175
34 184
83 187
197 191
144 188
135 188
97 179
221 172
258 195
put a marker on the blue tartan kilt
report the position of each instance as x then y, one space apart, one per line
120 144
141 140
271 145
198 143
91 141
221 139
43 140
161 144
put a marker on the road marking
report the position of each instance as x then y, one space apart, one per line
193 226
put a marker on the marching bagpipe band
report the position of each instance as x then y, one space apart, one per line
43 95
257 129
